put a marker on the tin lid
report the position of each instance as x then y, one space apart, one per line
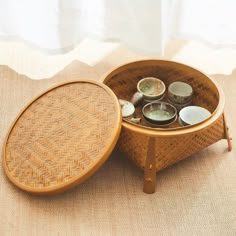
62 137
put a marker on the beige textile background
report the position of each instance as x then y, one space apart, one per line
197 196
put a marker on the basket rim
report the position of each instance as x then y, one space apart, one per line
148 131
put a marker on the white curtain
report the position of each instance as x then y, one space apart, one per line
143 25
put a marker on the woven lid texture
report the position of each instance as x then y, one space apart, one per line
62 137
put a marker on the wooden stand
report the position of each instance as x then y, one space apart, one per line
227 136
150 168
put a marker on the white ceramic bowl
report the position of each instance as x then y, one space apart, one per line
192 115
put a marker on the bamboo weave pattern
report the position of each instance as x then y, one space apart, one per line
61 135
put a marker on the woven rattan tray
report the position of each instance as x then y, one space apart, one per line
62 137
153 149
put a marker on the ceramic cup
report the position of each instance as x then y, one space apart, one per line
151 88
180 93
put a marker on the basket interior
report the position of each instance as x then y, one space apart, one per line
123 81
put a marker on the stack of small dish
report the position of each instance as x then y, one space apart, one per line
158 113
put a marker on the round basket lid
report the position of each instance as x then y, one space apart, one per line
62 137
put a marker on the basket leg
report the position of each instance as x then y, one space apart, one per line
150 168
227 136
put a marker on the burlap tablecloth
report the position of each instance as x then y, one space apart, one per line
197 196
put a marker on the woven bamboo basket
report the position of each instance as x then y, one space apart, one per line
153 149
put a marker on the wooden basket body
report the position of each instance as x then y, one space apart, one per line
174 143
168 150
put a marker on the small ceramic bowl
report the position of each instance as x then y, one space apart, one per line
151 88
192 115
127 108
159 113
180 92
